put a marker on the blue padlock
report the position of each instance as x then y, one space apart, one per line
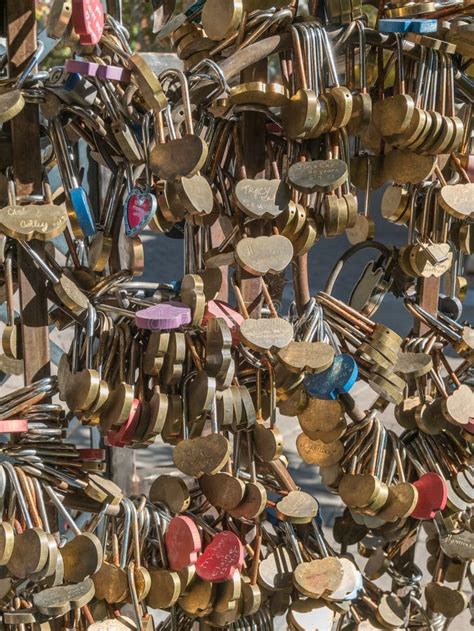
71 87
175 286
82 209
77 197
423 26
72 80
319 518
395 25
336 380
271 517
194 9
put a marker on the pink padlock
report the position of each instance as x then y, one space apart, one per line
163 317
114 73
468 164
220 309
13 426
84 68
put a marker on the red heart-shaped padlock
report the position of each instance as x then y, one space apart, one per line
221 558
124 435
88 21
432 495
183 542
140 206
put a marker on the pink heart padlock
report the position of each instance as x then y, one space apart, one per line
84 68
220 309
164 317
13 426
114 73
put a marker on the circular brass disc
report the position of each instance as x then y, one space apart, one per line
254 502
401 502
321 415
82 557
363 230
395 202
413 364
315 578
165 589
301 113
221 17
358 490
11 104
393 115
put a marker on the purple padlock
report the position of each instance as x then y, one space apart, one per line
114 73
163 317
84 68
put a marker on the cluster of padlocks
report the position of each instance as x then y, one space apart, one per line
265 132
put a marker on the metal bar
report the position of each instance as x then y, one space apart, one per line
253 139
22 44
